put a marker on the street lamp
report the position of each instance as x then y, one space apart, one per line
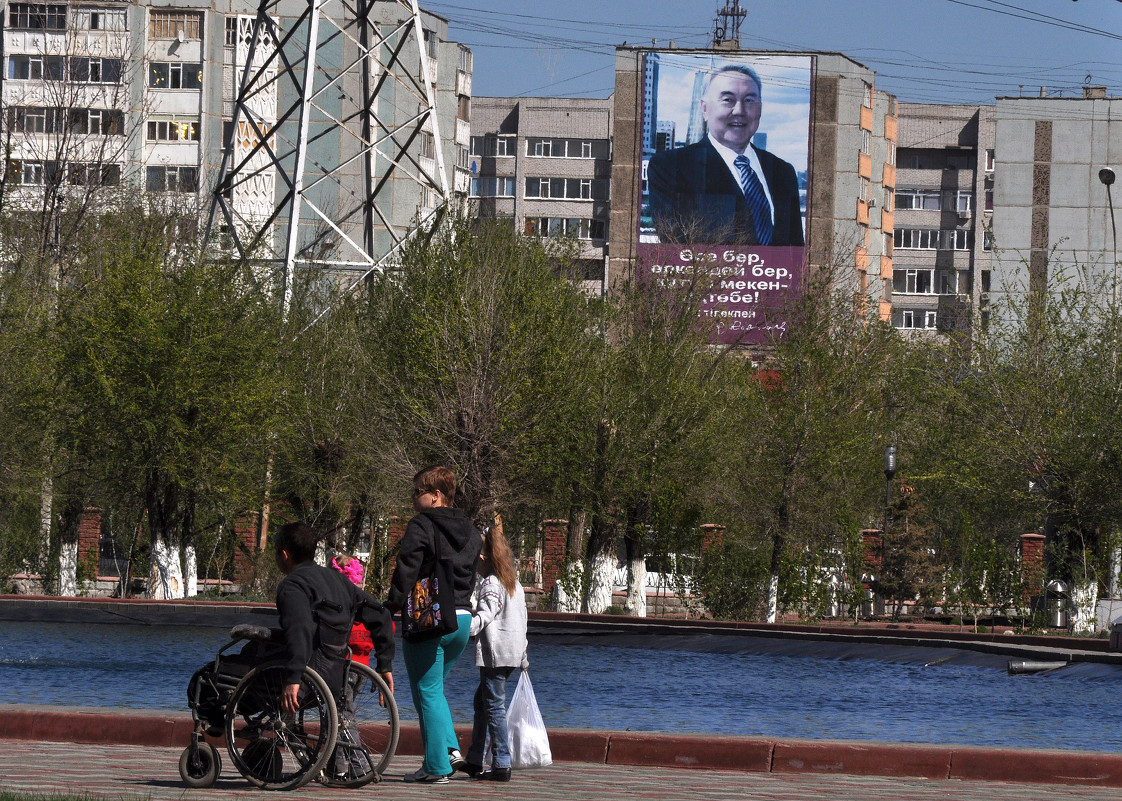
1106 178
889 472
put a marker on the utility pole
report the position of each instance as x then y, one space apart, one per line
726 29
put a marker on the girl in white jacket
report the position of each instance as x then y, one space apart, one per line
499 622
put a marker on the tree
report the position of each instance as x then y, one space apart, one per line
813 417
476 347
171 365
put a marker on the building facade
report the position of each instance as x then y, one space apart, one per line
141 95
545 164
944 206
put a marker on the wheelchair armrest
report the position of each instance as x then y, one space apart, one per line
251 631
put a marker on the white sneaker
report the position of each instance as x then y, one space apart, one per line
423 777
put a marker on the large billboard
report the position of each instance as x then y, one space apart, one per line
725 141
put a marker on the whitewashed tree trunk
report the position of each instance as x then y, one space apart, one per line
773 598
165 582
600 581
191 571
637 586
569 588
46 497
68 568
1084 607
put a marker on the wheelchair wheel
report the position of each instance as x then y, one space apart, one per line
368 731
200 765
270 747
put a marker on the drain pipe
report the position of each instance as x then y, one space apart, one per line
1022 666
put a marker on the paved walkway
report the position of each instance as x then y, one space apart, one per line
132 773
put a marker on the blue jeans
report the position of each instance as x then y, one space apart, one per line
428 664
490 718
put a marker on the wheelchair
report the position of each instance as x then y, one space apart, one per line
344 739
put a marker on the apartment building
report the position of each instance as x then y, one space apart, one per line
545 164
141 94
943 207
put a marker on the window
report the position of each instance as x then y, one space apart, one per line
168 24
866 137
94 175
929 319
463 107
957 161
172 179
888 198
465 59
35 68
948 282
927 199
989 199
173 130
36 17
30 119
231 39
867 95
586 149
174 75
865 189
891 152
987 241
462 158
428 145
567 188
989 160
539 147
430 43
504 145
96 70
961 239
100 19
565 226
907 319
105 122
492 187
912 281
964 201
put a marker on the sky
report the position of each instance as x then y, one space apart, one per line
923 51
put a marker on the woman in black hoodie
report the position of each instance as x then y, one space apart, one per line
429 661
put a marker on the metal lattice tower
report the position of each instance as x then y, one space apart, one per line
726 29
335 157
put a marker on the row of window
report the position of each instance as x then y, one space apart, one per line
504 145
58 68
934 199
161 74
29 119
920 281
162 24
933 239
37 173
566 226
911 318
568 188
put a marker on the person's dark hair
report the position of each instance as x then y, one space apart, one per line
437 478
743 69
298 539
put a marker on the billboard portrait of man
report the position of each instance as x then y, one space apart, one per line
726 188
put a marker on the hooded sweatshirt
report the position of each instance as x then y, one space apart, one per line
460 545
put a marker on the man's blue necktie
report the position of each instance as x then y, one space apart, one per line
757 200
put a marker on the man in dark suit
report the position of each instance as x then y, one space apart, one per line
723 190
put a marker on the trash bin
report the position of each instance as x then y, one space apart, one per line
1056 600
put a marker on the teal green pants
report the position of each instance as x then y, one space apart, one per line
427 664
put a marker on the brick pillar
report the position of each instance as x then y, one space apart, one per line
712 536
871 545
89 539
1032 562
247 530
554 533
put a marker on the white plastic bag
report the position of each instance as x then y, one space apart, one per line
529 743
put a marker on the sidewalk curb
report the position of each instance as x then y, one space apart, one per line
641 749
